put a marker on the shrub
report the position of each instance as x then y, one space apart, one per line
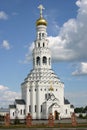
16 121
80 116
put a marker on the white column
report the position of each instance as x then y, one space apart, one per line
31 99
38 101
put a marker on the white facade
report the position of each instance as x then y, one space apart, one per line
42 90
18 109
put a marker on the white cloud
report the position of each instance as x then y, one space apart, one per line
6 45
28 55
7 96
72 35
81 69
3 15
3 88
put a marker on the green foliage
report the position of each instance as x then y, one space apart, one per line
1 118
81 109
80 116
85 109
16 121
85 117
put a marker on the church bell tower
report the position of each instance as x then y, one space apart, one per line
41 52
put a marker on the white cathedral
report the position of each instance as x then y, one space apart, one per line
42 90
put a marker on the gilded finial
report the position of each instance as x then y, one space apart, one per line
51 87
41 9
41 20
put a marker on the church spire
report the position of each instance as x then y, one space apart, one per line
41 9
41 52
41 20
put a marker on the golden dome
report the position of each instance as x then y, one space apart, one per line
51 88
41 21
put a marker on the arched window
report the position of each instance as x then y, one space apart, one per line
42 34
41 108
33 61
13 113
45 96
38 44
21 111
44 60
38 60
43 44
66 111
39 35
24 111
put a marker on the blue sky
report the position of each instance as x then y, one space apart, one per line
67 30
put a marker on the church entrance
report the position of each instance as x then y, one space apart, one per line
56 115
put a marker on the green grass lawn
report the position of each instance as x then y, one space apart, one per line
56 125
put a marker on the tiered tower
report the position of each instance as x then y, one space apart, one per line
41 52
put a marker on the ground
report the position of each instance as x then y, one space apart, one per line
65 121
47 129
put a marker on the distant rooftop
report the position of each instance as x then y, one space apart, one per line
72 106
12 106
66 101
20 101
4 109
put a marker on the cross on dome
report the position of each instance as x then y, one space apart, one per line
51 87
41 20
41 9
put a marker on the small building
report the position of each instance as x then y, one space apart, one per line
18 109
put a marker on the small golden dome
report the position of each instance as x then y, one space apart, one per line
51 88
41 21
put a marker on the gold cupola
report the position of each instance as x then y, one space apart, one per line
51 87
41 20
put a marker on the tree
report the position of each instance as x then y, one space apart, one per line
79 110
85 109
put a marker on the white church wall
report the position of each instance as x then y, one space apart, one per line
27 94
12 113
42 90
71 111
66 112
59 94
34 89
20 111
61 91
